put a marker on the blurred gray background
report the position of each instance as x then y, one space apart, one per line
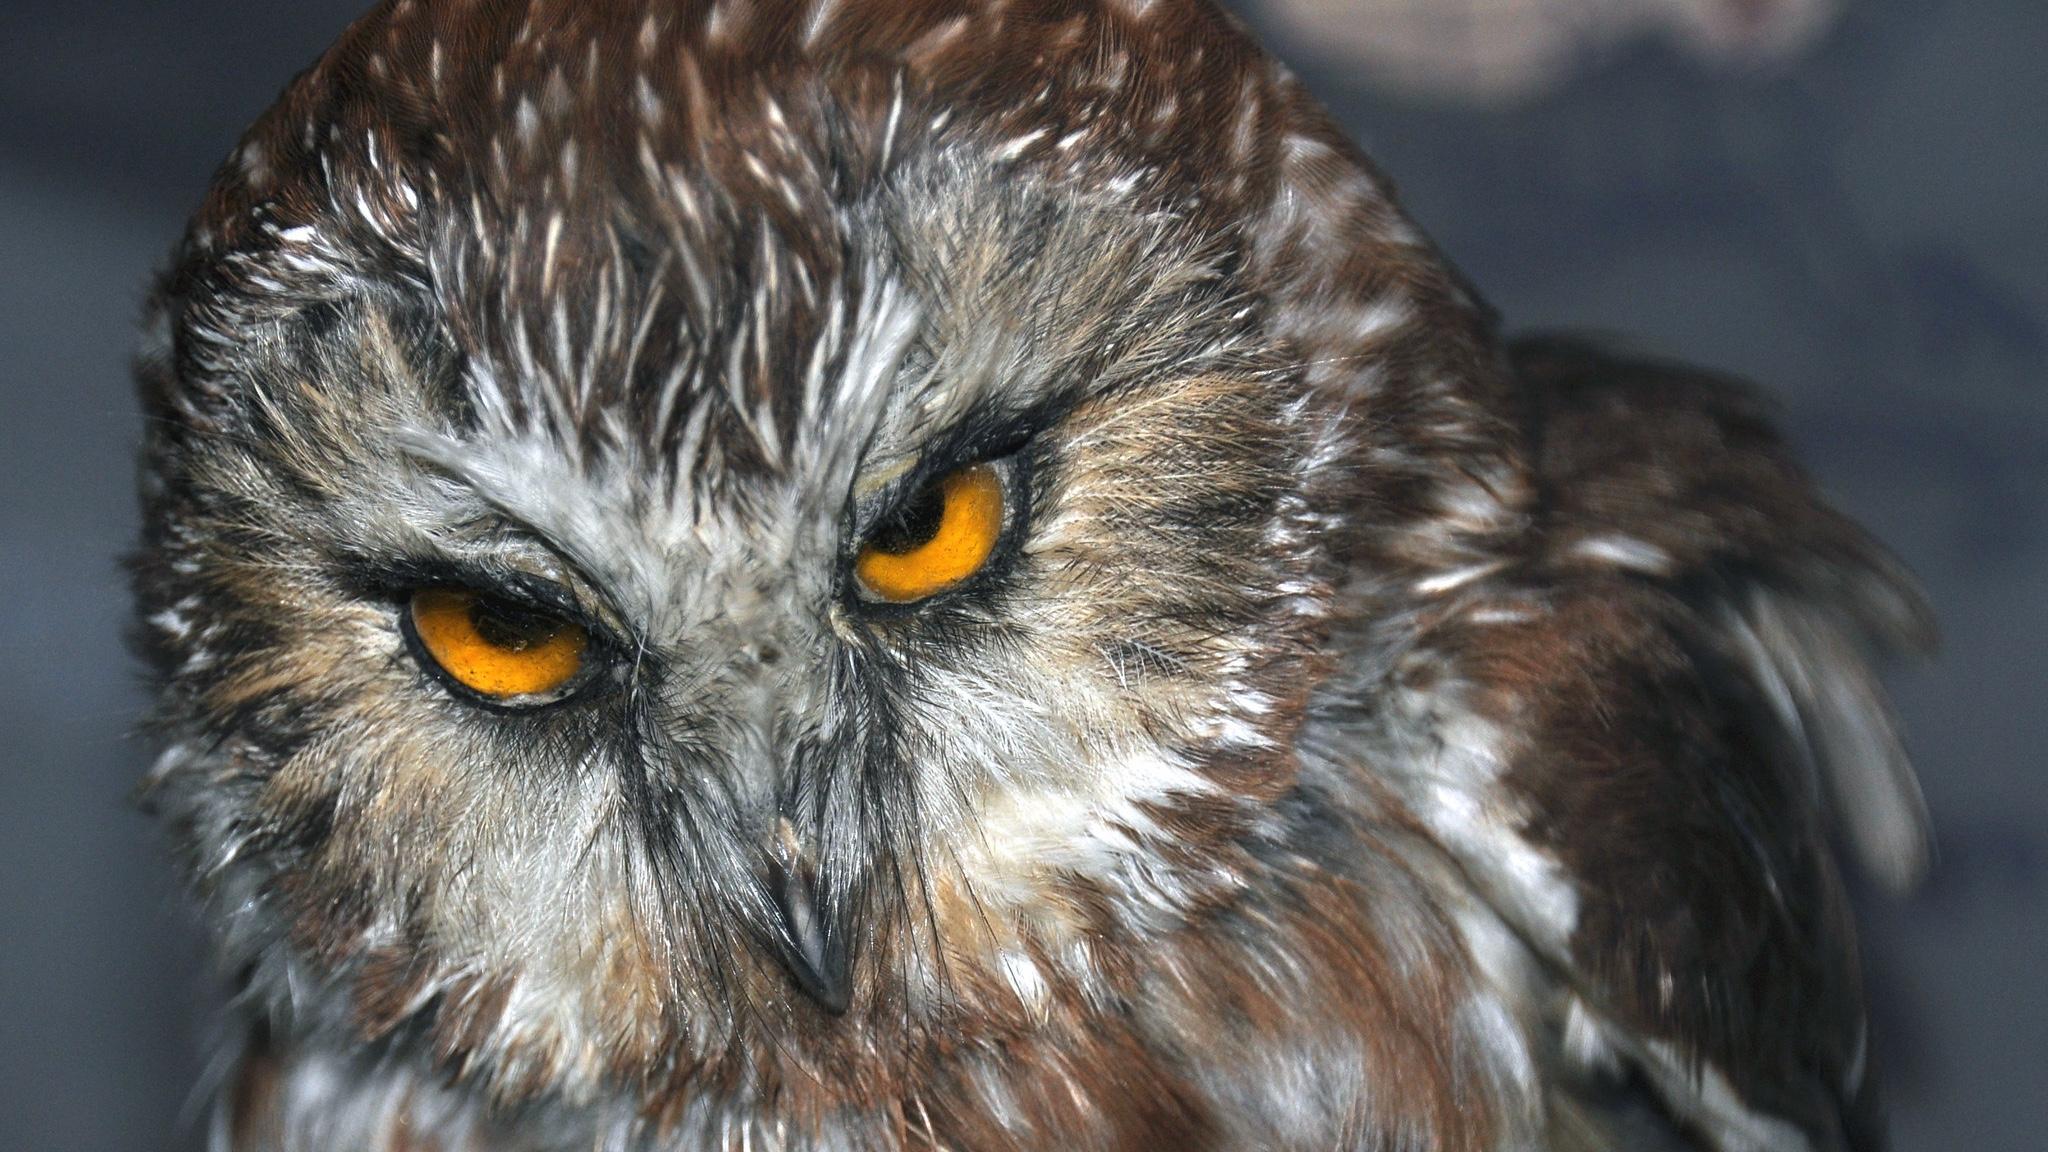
1860 228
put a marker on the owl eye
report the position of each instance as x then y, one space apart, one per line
936 539
495 648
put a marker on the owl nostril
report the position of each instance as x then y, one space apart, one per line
768 655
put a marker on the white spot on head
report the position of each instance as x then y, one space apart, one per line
718 22
1302 149
173 623
895 119
1471 502
255 162
1456 578
1624 552
651 111
1379 317
1244 128
1016 145
526 121
816 20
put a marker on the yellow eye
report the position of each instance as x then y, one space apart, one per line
496 648
940 537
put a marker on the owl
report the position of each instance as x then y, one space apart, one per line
955 574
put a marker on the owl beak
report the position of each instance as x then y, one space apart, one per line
815 957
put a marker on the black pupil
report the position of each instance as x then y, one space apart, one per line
506 625
912 525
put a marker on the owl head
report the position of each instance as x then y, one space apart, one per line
671 528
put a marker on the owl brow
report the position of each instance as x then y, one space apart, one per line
498 510
984 433
391 577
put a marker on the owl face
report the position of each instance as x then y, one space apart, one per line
667 542
648 658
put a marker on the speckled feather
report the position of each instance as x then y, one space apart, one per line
1379 737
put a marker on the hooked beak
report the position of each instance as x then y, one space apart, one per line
815 956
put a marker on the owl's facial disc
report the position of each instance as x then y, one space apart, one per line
1008 502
